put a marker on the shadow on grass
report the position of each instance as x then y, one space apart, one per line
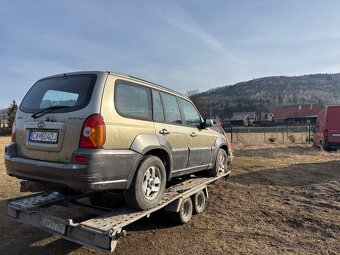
293 175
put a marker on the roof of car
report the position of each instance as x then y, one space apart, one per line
127 76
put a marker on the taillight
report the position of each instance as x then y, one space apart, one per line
14 133
325 134
93 132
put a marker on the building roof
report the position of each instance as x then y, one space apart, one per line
251 115
239 117
298 111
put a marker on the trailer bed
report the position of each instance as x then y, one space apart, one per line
74 218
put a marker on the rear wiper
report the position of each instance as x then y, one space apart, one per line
47 110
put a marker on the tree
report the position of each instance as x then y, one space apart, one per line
12 110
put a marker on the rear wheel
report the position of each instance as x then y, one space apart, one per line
185 212
221 164
148 184
199 202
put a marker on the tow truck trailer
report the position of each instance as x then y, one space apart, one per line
75 218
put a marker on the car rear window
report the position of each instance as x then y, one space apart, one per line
133 101
74 91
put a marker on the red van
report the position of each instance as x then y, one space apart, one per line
327 128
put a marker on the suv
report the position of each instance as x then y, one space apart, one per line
94 131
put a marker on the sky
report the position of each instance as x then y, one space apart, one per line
184 45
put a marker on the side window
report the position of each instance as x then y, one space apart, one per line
171 110
158 114
192 117
133 101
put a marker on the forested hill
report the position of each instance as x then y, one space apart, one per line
267 93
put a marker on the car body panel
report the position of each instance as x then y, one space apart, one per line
328 123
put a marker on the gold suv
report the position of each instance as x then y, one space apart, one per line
94 131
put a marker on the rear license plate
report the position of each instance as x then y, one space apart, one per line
43 136
53 225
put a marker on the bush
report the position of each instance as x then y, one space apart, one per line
272 139
292 138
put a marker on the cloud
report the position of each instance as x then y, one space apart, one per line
176 16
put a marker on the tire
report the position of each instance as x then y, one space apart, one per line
184 214
199 202
148 184
221 164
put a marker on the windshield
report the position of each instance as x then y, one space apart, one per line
74 91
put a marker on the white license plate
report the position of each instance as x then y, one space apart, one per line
53 225
43 136
336 135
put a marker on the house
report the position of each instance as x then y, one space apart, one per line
240 119
266 116
217 120
243 118
297 114
4 122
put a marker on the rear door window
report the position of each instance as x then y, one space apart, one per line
171 109
158 113
74 91
133 101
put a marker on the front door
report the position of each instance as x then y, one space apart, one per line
201 141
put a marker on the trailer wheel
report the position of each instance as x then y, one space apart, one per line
148 185
199 202
221 164
185 212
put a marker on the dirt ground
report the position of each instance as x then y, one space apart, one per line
278 200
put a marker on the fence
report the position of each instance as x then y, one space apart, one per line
271 135
5 131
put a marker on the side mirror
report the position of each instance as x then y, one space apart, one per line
207 123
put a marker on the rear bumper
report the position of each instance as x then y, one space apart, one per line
104 169
331 145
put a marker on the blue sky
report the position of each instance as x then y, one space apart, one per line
185 45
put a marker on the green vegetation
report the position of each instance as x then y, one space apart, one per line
12 110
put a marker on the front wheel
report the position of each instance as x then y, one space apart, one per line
148 185
221 164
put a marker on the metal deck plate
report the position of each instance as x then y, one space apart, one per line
124 216
36 200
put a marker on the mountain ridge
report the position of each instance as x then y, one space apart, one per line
265 94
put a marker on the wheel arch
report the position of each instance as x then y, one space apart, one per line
219 144
148 144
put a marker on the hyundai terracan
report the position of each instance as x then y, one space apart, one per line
94 131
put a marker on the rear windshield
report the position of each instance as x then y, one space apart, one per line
74 91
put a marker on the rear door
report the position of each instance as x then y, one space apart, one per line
64 102
168 125
333 123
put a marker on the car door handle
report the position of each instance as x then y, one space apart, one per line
164 131
193 134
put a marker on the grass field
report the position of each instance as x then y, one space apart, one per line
279 199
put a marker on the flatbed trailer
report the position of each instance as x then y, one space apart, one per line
73 217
